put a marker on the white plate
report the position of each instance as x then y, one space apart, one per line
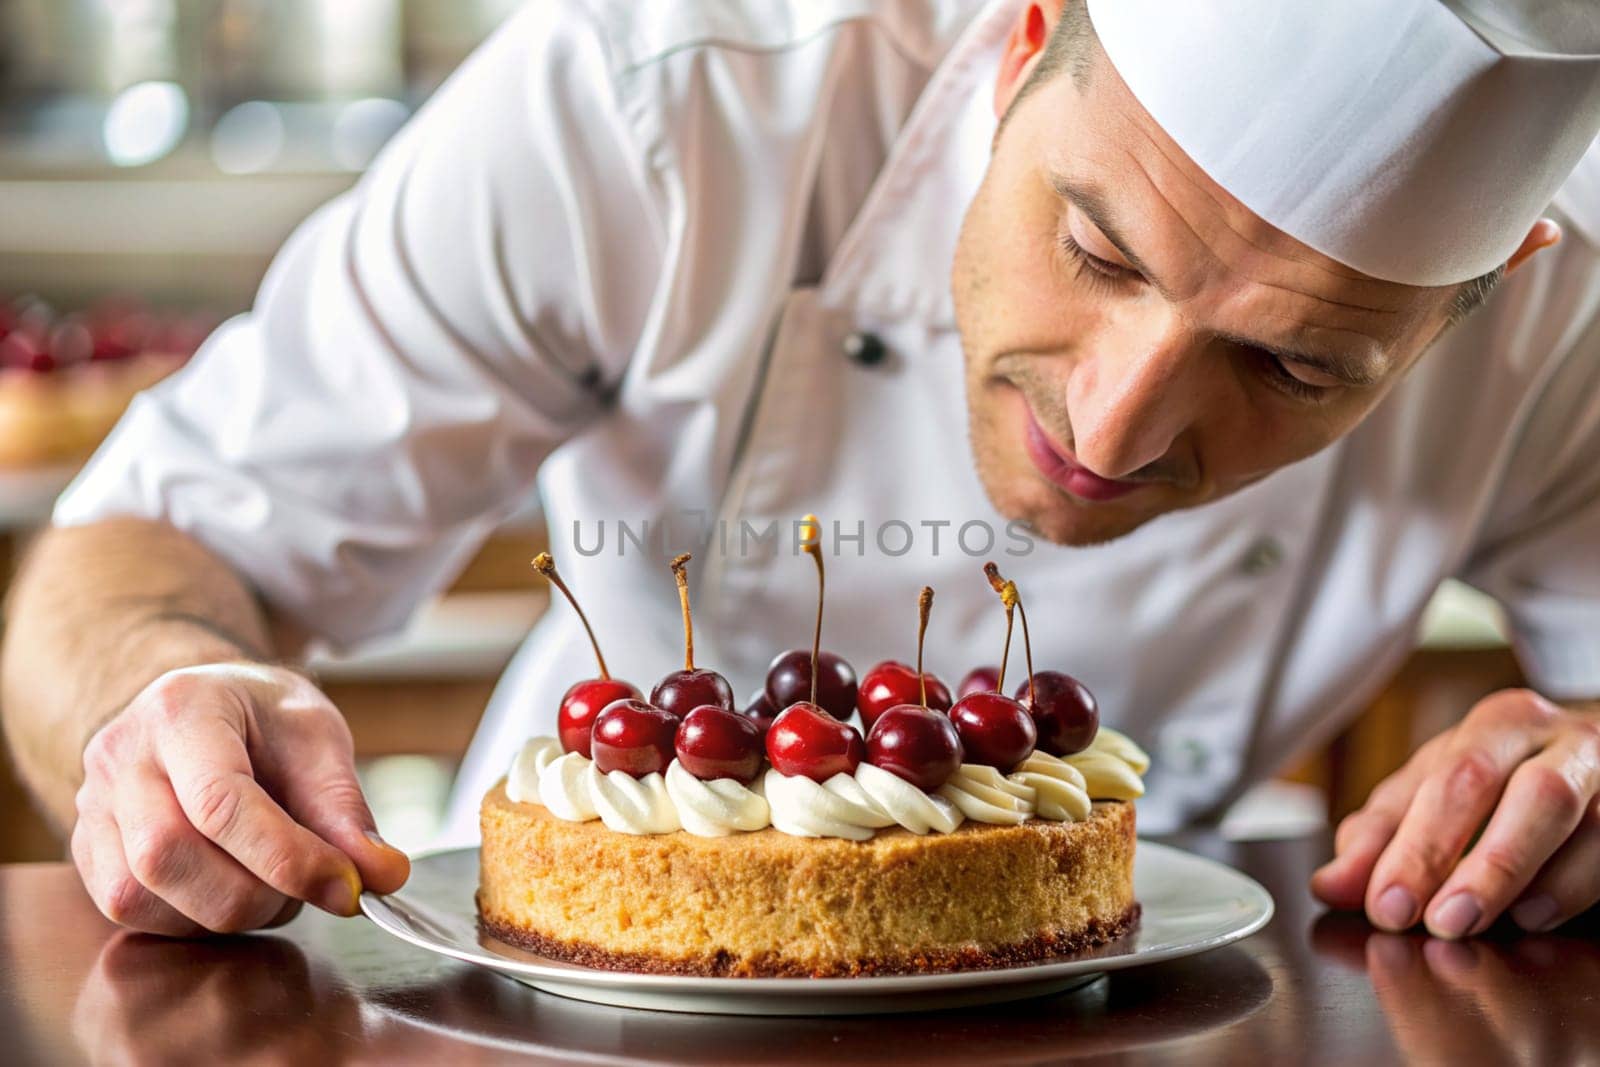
1191 904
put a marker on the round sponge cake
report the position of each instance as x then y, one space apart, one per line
771 904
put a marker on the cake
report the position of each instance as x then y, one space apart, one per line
677 835
768 904
66 380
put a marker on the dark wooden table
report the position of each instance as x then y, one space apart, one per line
1310 989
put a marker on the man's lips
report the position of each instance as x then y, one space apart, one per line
1062 468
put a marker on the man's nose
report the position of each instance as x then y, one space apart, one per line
1133 394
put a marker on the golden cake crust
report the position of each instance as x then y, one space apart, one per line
770 904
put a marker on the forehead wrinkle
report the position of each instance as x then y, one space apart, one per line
1295 256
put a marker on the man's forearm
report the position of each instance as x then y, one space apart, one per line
95 614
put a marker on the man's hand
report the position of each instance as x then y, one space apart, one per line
219 799
1528 768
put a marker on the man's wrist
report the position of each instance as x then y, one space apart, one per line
162 642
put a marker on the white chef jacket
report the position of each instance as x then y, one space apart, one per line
618 258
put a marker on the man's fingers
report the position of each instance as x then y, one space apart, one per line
1452 802
170 858
212 779
97 852
1363 835
325 796
1544 801
1569 884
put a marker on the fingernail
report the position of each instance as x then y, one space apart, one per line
340 895
377 839
1456 917
1536 914
1395 909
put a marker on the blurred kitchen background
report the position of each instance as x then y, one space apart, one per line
153 156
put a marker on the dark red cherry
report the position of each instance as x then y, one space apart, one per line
682 691
807 741
633 737
716 743
1064 711
760 711
995 730
789 681
582 704
979 680
916 744
891 683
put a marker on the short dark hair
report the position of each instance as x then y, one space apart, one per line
1071 49
1470 294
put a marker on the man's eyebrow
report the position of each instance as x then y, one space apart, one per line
1359 370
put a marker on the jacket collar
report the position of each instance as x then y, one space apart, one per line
894 262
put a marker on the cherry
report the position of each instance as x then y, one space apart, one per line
805 740
789 680
917 744
633 737
979 680
995 730
1063 709
583 701
760 711
713 742
892 683
682 691
814 677
912 741
582 704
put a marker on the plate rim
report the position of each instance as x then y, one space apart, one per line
374 906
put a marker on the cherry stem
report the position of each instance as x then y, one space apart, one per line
1009 596
924 607
682 578
546 566
1010 603
811 544
1027 646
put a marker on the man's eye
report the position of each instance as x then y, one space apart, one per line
1281 377
1091 267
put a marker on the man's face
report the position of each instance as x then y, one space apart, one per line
1137 341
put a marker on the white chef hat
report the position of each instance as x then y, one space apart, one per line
1414 140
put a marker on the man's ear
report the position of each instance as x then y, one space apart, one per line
1024 47
1545 234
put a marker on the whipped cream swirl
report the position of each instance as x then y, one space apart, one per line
522 781
632 805
905 803
1060 791
838 807
716 808
985 795
564 788
1111 766
853 807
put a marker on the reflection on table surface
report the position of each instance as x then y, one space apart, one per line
1310 988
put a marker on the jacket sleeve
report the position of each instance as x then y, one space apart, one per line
1540 557
418 347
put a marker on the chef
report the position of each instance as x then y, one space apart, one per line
1229 333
